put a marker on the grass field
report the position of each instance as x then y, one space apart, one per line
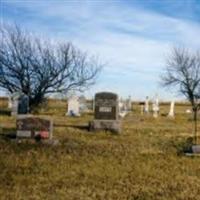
143 163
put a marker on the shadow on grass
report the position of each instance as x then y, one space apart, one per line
8 133
81 127
5 112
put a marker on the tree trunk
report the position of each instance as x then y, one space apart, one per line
195 126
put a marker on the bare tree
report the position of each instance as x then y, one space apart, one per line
183 72
38 68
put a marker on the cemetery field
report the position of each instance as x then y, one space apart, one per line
144 162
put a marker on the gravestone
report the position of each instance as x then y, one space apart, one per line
14 98
155 108
19 104
23 104
106 116
34 127
123 108
171 112
73 108
146 107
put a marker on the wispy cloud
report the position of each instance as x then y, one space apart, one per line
133 40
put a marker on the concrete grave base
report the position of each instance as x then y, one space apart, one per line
196 149
110 125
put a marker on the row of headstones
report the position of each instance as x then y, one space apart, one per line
18 103
78 105
106 117
145 108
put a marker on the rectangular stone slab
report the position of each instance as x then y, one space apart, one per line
110 125
35 126
196 149
106 106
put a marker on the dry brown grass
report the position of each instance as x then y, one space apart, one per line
142 163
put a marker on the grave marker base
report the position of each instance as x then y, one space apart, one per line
110 125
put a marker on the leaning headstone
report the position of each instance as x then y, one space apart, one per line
73 107
106 115
171 112
34 127
146 107
23 105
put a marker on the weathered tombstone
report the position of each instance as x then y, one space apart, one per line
155 108
146 107
34 127
106 116
23 104
15 102
73 107
123 108
171 112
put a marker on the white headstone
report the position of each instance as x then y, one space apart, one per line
146 107
73 106
123 110
171 112
155 107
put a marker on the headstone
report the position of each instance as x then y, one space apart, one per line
171 112
73 107
34 127
23 105
155 107
146 108
106 116
123 108
14 98
19 104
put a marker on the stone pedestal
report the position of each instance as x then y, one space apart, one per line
111 125
196 149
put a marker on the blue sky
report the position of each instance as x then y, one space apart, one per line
133 37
